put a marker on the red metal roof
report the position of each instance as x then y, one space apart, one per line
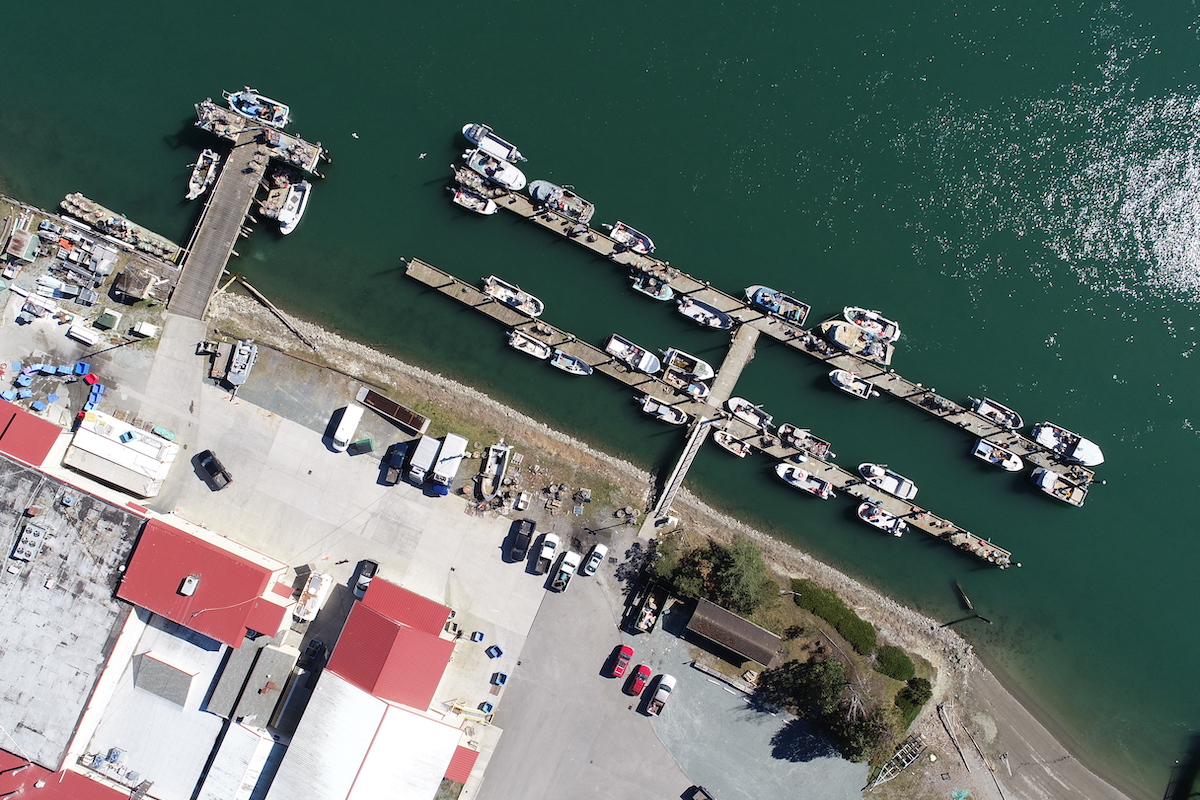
461 764
225 599
398 603
266 617
389 659
64 785
24 436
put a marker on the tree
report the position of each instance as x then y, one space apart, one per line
857 738
812 688
734 576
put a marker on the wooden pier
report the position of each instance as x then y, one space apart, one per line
706 415
228 204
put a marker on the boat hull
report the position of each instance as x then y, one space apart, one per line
1070 446
528 345
728 442
499 172
854 339
748 412
851 384
705 314
652 287
872 322
992 411
878 517
513 296
633 356
294 207
781 305
805 481
631 238
473 202
483 137
1059 487
1001 457
562 201
888 481
662 411
252 105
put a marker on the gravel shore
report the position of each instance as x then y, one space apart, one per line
999 750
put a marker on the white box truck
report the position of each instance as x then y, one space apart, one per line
351 416
449 457
421 459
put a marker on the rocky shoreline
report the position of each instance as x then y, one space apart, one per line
1006 735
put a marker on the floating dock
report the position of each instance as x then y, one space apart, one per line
706 415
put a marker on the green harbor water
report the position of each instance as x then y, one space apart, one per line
1017 184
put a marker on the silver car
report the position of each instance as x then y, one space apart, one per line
595 559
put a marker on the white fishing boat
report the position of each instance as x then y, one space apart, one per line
473 202
496 170
241 361
732 444
850 383
804 480
630 238
249 103
879 476
652 286
705 314
528 345
1059 486
312 597
632 355
748 412
872 322
781 305
204 172
293 206
562 200
674 358
1002 415
513 296
686 383
1000 456
662 411
573 365
803 439
854 339
1070 446
491 478
483 137
882 519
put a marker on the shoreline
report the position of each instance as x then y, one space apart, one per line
962 679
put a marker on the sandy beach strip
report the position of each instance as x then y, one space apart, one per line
1005 751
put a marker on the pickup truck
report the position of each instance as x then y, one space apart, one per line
546 556
570 563
394 463
218 476
651 608
521 537
665 684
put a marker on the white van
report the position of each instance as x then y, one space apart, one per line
351 416
450 456
421 458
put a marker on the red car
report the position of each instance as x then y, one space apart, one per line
639 680
621 662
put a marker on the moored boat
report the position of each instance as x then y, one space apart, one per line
803 439
1002 457
854 339
674 358
1059 486
204 172
293 206
884 520
705 314
748 412
872 322
473 202
249 103
528 345
662 411
1070 446
630 238
652 286
1002 415
630 354
513 296
881 477
562 200
781 305
850 383
494 469
731 443
686 383
483 137
804 480
570 364
499 172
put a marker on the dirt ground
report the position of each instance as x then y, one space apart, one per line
984 742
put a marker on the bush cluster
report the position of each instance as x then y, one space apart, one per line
894 662
912 697
829 607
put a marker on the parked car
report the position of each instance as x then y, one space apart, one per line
522 535
621 660
366 571
212 466
594 559
640 677
312 653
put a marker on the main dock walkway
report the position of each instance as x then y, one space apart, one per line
707 415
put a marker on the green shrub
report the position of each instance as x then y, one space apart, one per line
894 662
829 607
912 697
